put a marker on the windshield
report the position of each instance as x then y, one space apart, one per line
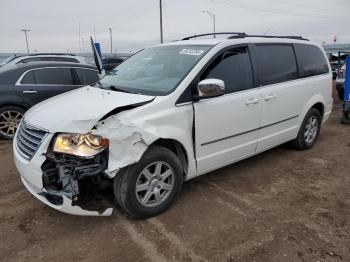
155 70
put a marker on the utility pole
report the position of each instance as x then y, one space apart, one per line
25 32
161 21
212 17
95 34
110 33
79 38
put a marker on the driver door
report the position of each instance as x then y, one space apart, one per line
226 127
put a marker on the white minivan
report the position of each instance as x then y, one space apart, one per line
168 114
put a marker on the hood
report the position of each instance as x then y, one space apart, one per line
79 110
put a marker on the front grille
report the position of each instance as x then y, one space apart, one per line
28 140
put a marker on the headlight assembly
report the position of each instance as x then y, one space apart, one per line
83 145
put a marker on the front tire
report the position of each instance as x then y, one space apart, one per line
149 187
309 130
10 117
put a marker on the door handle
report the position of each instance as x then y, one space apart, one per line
269 97
252 101
30 92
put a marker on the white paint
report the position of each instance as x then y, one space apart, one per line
131 132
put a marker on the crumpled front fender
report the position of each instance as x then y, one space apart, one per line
127 142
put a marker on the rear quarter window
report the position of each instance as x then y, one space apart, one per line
311 60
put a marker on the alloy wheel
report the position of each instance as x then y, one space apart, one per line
154 184
9 121
311 129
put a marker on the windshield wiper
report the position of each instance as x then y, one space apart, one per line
114 88
111 87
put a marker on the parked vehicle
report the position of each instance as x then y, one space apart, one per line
24 85
195 106
334 66
339 82
111 62
43 57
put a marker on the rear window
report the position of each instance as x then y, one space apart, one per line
311 60
86 76
276 63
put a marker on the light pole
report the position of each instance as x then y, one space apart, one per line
94 34
268 30
212 17
110 33
161 21
25 32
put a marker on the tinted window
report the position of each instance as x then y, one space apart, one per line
276 63
234 68
86 76
54 76
29 78
311 60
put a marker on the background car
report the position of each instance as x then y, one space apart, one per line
24 85
339 83
43 57
109 63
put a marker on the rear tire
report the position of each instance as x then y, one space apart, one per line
309 130
341 93
10 117
149 187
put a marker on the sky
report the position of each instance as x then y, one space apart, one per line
135 24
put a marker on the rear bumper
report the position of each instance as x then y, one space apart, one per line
339 84
31 176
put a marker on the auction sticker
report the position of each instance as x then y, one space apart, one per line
191 52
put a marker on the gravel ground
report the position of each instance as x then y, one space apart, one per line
282 205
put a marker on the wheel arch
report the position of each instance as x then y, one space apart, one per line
316 102
14 104
177 148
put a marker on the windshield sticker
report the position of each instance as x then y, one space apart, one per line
191 52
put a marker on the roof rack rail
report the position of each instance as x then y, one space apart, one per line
57 54
221 33
269 36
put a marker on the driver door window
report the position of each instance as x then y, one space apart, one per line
234 68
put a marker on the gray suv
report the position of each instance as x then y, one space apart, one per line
24 85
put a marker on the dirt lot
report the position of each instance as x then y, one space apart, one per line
283 205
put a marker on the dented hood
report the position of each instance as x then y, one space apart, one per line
79 110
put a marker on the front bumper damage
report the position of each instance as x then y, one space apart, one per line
60 182
80 186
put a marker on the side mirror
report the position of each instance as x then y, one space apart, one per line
210 88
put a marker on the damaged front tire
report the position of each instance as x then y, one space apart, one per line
149 187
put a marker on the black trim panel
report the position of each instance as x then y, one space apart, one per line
249 131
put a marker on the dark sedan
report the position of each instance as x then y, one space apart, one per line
24 85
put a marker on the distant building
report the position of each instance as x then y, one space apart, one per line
335 48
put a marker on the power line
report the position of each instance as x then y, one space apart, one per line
267 9
136 11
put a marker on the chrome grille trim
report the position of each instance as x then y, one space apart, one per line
28 140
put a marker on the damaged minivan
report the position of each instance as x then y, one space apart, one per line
168 114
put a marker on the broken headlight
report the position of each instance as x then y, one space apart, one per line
87 145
